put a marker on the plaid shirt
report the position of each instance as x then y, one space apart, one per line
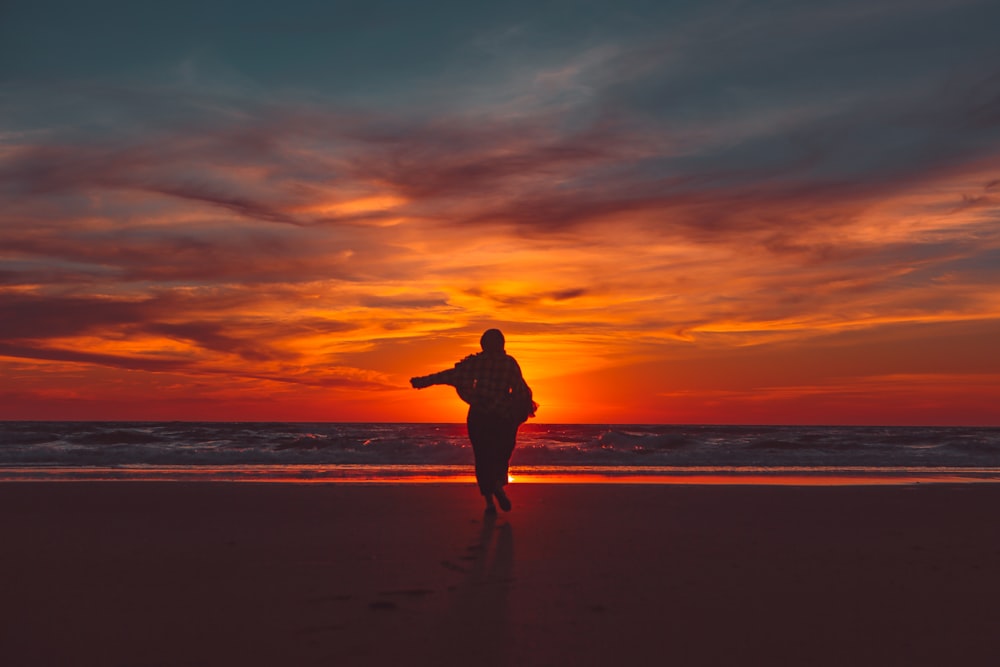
487 381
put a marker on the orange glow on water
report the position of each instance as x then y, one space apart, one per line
396 474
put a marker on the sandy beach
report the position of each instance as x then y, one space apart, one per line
143 574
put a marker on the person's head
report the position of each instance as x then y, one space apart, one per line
492 341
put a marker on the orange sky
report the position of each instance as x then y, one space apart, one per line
609 325
697 217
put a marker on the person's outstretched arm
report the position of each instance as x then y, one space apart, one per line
462 376
444 377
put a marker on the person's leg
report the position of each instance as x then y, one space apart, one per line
505 448
506 438
480 435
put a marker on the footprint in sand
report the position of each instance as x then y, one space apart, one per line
451 566
409 592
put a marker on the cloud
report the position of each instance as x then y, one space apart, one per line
82 356
28 317
43 323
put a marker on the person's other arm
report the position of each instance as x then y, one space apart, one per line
521 391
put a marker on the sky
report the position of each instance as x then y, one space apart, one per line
677 212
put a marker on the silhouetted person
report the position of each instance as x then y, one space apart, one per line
499 402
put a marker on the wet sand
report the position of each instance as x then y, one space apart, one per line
173 574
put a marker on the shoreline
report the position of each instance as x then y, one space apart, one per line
461 474
178 573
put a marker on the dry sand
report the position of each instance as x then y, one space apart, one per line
142 574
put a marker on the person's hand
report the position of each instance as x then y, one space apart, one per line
419 383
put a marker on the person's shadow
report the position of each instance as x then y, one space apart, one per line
478 620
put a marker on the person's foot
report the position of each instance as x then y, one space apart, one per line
502 499
490 507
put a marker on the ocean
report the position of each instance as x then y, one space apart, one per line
390 452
